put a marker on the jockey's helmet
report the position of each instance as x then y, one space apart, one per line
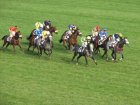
41 25
97 28
88 37
47 22
120 34
116 35
74 27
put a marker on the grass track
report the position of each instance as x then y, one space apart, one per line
27 80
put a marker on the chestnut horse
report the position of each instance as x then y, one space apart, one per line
14 41
72 40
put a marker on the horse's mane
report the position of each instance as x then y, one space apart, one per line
107 39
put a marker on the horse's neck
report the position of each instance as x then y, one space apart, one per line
106 40
52 30
120 44
15 37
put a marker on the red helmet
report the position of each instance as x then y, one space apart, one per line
97 28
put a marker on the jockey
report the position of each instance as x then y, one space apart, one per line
47 23
95 31
114 39
45 34
38 31
12 30
85 42
69 31
37 25
103 35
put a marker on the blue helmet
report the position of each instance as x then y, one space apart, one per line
116 35
105 29
70 26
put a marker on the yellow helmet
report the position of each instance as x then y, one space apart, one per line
37 25
120 34
88 37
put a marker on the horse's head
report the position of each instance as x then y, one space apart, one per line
77 32
126 41
53 30
18 35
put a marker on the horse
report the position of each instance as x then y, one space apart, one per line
119 48
86 53
64 39
14 41
46 46
72 40
104 45
32 37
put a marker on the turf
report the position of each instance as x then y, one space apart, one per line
26 79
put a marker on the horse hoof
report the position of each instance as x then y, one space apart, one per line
95 62
120 59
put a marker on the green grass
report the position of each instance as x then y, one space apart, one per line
26 79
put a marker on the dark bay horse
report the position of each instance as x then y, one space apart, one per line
119 48
32 36
14 41
104 45
72 40
85 53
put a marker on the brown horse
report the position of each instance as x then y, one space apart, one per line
14 41
64 39
32 36
72 40
119 48
31 39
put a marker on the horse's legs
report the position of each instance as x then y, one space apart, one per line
115 56
34 47
14 47
19 46
40 51
75 54
7 45
4 44
96 50
122 57
70 47
86 59
93 59
29 47
105 51
78 58
64 44
112 54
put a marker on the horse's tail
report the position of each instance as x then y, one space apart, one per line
4 37
60 41
28 37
